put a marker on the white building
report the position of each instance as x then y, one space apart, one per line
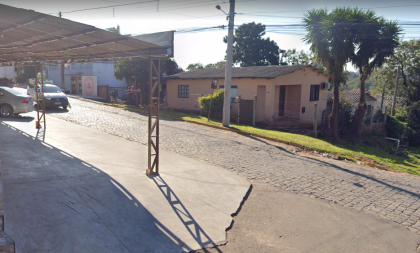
7 72
73 73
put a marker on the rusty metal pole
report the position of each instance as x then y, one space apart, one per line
37 125
43 96
149 141
157 117
153 132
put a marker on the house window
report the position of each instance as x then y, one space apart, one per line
183 91
233 92
314 93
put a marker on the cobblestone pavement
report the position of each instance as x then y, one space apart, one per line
393 196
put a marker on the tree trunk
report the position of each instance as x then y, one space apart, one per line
382 99
359 115
333 118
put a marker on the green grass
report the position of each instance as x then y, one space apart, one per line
376 152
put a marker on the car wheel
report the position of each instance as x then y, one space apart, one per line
6 110
64 107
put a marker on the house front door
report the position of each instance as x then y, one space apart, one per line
282 100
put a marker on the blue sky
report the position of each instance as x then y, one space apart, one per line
148 16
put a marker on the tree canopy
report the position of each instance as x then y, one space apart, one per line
251 49
194 66
217 65
114 29
329 36
137 72
295 57
375 40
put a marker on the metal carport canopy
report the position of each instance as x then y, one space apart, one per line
27 36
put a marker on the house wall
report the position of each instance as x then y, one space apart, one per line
298 83
304 78
103 70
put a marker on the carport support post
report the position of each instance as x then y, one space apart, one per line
63 86
153 131
254 115
315 120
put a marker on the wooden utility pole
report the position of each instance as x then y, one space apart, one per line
228 70
254 114
395 93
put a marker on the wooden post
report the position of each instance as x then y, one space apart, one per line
254 115
315 120
201 108
395 92
239 108
211 100
371 119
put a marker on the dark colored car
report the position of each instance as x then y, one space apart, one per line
54 97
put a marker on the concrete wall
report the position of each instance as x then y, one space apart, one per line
7 72
103 70
297 93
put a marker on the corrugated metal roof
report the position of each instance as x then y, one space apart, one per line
269 72
26 35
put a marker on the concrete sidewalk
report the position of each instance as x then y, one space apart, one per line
74 189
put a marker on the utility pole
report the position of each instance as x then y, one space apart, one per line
395 93
62 85
228 70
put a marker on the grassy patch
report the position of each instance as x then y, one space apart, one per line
376 152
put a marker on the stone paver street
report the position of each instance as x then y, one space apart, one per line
392 196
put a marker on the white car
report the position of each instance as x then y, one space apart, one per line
14 102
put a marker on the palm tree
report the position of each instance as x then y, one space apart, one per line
375 40
330 37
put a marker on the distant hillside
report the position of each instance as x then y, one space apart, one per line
353 82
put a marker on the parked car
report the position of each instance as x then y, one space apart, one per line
14 102
54 97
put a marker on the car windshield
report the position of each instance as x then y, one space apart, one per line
52 89
13 91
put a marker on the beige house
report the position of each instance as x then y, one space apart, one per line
282 91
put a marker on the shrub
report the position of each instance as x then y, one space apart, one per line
216 104
413 123
378 116
394 128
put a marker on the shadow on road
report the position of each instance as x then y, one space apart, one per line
55 202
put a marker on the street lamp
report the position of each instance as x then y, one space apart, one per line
228 69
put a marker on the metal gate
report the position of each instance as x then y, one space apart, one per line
246 112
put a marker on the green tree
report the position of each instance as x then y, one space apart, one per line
251 49
138 72
194 66
329 35
407 57
294 57
217 65
114 29
375 40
